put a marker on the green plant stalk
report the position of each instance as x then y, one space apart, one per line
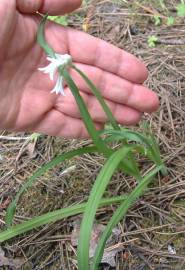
99 143
41 38
12 208
83 110
109 115
95 196
53 217
127 166
119 214
99 97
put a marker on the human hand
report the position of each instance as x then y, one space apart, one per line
26 103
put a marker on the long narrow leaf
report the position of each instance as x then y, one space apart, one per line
94 134
152 149
52 217
120 213
110 117
93 202
128 166
157 154
12 208
99 97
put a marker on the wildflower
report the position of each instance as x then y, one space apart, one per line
60 61
171 249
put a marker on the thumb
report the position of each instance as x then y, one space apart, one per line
53 7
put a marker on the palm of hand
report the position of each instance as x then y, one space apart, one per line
26 101
25 94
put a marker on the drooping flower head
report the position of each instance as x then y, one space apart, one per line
57 64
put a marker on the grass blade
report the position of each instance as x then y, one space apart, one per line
12 208
93 202
119 214
52 217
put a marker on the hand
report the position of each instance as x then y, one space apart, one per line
26 103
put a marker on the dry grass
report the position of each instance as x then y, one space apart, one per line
156 220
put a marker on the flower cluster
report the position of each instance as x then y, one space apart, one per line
57 63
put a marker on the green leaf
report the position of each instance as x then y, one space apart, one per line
151 147
157 20
99 97
34 137
170 21
52 217
119 214
127 166
130 162
95 196
93 133
110 117
66 156
152 40
162 4
181 9
59 19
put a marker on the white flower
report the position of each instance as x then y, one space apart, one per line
58 89
171 249
59 61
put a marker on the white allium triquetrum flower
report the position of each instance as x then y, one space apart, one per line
59 61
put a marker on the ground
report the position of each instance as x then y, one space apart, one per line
157 221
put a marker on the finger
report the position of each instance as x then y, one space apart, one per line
58 124
117 89
92 51
54 7
123 114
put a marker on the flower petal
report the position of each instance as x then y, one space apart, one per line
60 60
50 69
58 89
